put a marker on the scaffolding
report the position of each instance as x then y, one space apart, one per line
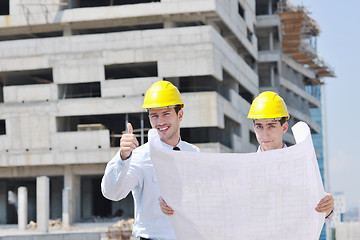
299 30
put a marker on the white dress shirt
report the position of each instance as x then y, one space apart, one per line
137 174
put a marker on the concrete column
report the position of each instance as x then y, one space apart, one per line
42 203
3 202
271 41
272 76
72 183
22 207
66 207
270 12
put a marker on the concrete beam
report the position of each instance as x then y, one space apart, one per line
127 87
298 66
213 148
266 21
30 93
81 140
303 117
45 158
297 90
75 71
269 56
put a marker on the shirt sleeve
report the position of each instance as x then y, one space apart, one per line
120 177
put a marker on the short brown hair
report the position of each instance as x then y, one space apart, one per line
282 120
177 108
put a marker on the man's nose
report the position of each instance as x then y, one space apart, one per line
161 120
266 132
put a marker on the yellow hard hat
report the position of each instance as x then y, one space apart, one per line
162 94
268 105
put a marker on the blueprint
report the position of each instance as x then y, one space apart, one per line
247 196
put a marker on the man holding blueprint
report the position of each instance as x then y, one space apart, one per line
269 194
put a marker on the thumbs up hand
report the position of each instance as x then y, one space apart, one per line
128 143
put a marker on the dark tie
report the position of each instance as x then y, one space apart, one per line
176 148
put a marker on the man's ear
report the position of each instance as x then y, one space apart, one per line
180 114
285 127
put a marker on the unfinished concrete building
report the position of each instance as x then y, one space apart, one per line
73 72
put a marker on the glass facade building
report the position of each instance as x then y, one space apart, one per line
318 138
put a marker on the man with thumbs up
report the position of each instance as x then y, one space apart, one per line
131 169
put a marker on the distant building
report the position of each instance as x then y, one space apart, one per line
352 215
339 208
349 229
339 212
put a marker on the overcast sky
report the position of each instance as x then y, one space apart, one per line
339 45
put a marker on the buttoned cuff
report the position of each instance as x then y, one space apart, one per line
126 158
328 217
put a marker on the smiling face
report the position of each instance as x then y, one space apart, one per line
269 134
167 123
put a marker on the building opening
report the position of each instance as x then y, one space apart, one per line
4 7
115 123
94 205
131 70
99 3
9 199
2 127
79 90
27 77
110 29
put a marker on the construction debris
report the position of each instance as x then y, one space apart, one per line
31 225
121 230
55 224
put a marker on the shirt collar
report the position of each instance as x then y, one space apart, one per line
259 150
167 146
